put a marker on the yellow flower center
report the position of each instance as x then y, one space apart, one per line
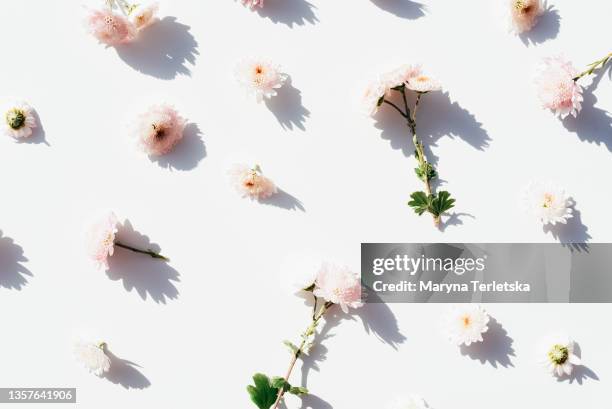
466 321
558 354
548 200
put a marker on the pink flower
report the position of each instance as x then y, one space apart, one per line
101 239
371 99
159 129
260 78
524 14
338 285
401 75
422 83
19 120
109 27
251 183
143 15
253 3
557 89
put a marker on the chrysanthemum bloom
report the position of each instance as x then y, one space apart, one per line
556 87
253 3
250 182
339 285
423 83
409 402
558 355
92 356
159 129
548 203
143 15
109 27
401 75
524 14
19 120
374 91
260 78
465 324
101 239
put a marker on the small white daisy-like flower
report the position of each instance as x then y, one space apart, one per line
19 120
92 356
143 15
466 323
423 83
371 98
558 355
547 203
260 78
408 402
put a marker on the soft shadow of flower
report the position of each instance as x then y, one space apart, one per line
12 271
573 234
546 29
287 107
496 347
580 373
455 219
162 50
187 153
123 372
150 277
311 401
284 200
38 134
593 125
407 9
297 12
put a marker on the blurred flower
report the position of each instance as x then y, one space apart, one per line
339 285
408 402
559 356
466 323
92 356
143 15
556 87
19 120
253 3
101 239
524 14
109 27
250 182
548 203
260 78
159 129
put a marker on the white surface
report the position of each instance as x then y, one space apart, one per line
225 311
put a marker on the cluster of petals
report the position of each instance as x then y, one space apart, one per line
260 78
19 120
524 14
557 88
117 24
253 3
101 239
159 129
92 356
250 182
339 285
465 324
547 202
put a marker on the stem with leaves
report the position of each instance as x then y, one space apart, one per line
427 201
594 66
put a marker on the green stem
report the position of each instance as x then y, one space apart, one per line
396 108
594 66
316 317
147 252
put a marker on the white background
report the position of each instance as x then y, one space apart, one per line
200 326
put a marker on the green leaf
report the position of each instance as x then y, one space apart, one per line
442 203
263 394
298 390
426 172
292 347
279 382
420 202
380 101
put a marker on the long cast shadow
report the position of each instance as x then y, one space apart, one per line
495 349
13 274
125 373
580 373
187 154
287 107
573 234
151 278
407 9
546 29
298 12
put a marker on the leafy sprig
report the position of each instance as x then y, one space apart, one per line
436 204
265 390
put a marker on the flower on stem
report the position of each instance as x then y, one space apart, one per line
466 323
19 120
524 14
558 355
252 3
159 129
546 202
92 356
101 241
120 22
423 83
250 182
558 88
338 285
408 402
259 77
143 15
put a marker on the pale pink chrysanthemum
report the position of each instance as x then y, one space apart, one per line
101 239
339 285
524 14
557 89
401 75
250 182
143 15
260 78
423 83
371 99
253 3
159 129
19 120
109 27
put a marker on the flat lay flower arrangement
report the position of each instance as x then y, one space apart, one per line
405 90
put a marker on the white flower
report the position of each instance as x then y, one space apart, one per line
423 83
547 203
260 78
143 15
466 323
370 100
408 402
558 355
92 356
19 120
